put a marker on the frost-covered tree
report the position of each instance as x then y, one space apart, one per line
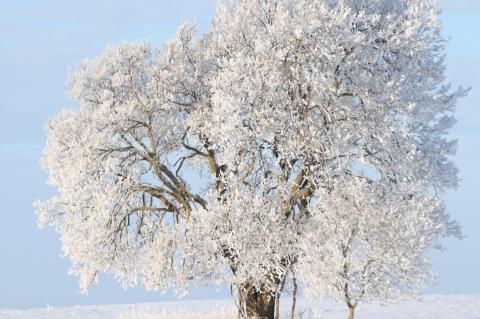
304 136
373 242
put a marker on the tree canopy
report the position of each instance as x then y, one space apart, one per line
304 137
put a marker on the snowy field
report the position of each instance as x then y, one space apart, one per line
429 306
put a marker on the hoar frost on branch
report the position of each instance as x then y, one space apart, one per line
300 137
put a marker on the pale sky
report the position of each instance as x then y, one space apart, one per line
40 41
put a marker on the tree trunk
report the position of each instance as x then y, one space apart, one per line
277 298
258 304
277 305
294 297
351 312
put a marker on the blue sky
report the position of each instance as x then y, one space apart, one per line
41 40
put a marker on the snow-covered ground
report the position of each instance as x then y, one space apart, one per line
429 306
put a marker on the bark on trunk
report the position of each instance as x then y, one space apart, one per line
258 305
294 298
277 306
277 298
351 312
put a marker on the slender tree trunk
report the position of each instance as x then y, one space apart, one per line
294 297
277 305
277 298
351 312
